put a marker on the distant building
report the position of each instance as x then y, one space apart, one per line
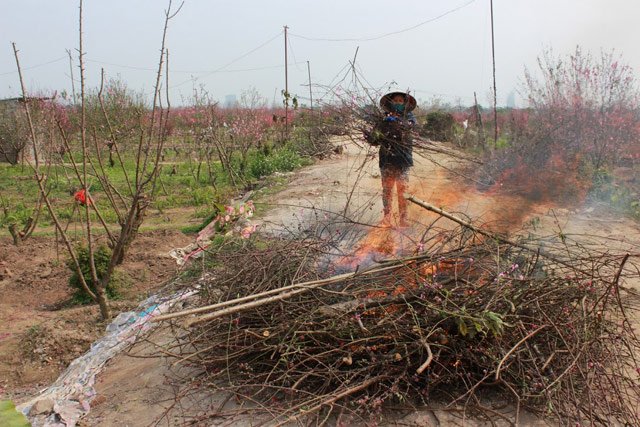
511 99
230 101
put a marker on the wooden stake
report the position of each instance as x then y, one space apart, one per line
495 98
310 92
286 86
488 234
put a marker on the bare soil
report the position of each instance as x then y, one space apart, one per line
41 331
135 391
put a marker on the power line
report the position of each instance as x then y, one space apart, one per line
130 67
295 61
35 66
366 39
234 70
230 62
267 67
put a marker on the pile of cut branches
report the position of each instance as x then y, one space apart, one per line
465 322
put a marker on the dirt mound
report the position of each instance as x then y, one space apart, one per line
46 349
57 342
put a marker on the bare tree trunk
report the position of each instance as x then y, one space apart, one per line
147 173
40 181
100 294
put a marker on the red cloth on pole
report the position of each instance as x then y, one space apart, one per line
81 197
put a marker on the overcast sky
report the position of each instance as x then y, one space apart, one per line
231 46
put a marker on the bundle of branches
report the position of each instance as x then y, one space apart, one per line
466 324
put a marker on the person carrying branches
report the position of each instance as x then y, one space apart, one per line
392 133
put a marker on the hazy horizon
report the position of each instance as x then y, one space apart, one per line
438 49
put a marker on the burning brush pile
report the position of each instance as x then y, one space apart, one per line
465 321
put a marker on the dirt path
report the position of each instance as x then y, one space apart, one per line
134 391
351 185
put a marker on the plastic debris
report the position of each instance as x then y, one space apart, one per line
74 389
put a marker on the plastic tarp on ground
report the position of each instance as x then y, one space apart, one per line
73 391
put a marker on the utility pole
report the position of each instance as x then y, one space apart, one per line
73 85
310 92
495 96
286 86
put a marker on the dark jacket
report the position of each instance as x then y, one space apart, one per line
393 135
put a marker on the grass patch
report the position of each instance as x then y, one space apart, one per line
183 183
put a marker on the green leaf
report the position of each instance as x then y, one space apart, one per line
10 417
462 327
493 322
478 326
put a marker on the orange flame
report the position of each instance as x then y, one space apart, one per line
377 244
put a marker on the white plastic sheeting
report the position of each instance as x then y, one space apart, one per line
74 389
